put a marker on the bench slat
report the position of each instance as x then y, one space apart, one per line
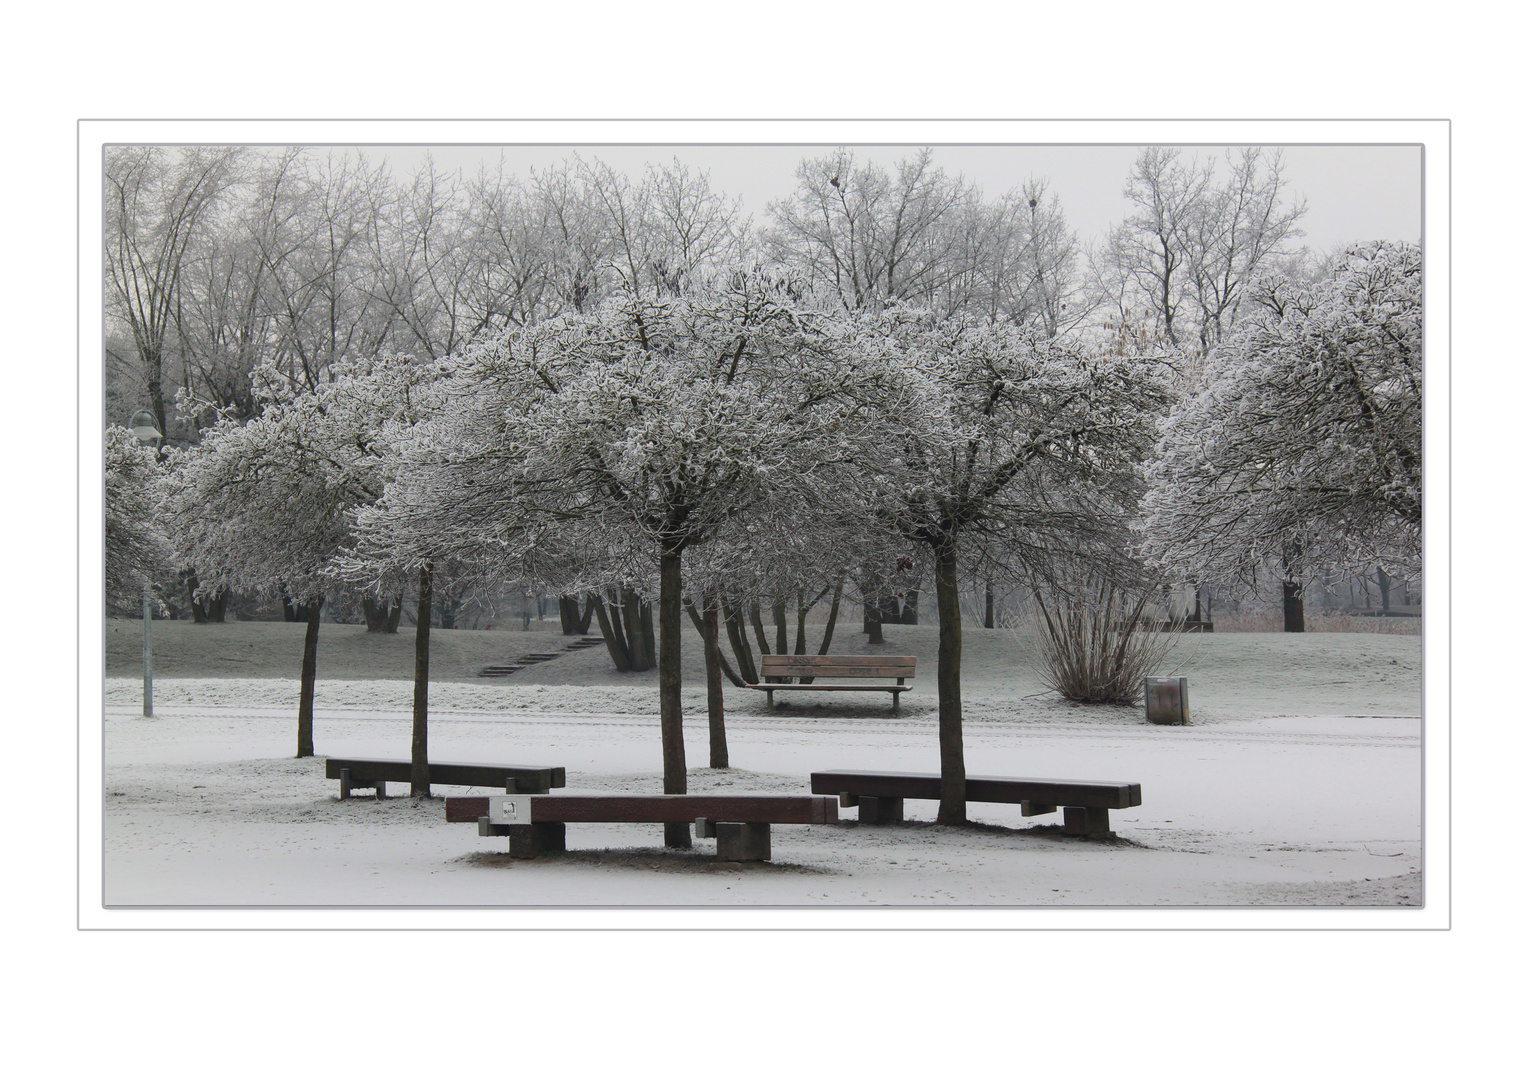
1104 794
754 809
459 773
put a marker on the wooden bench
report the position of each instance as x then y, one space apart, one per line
900 668
739 823
880 795
375 773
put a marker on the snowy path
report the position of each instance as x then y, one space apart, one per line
206 806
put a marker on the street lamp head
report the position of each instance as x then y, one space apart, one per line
142 426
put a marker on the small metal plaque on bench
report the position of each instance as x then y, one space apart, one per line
509 809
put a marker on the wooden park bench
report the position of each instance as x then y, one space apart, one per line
900 668
375 773
880 795
739 823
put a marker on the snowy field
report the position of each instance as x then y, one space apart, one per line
1299 784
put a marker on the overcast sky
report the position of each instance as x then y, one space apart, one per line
1369 192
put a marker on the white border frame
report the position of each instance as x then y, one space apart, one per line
1433 135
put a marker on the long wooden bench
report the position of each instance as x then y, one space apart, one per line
739 823
880 796
781 666
375 773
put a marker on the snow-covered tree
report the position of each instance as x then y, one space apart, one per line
1302 450
1003 447
265 507
136 548
637 433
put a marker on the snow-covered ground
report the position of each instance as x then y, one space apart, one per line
1299 784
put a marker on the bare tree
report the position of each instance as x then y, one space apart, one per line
1185 257
869 236
156 202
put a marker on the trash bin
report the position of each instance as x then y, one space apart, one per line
1166 699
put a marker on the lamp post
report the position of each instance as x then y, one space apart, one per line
143 429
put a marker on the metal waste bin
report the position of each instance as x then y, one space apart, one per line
1166 699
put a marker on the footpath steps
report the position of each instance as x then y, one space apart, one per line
499 671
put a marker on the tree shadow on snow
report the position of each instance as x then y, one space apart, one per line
657 860
1053 833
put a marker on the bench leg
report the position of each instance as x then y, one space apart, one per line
528 841
770 695
381 789
875 810
1086 821
344 783
742 842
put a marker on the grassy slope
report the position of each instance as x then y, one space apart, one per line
1228 674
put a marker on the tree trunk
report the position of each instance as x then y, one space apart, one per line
951 735
153 364
755 616
309 680
588 613
1384 584
381 618
630 621
909 609
649 635
832 618
872 623
212 610
670 702
710 634
781 635
567 610
699 622
613 640
990 622
418 776
636 615
737 634
1293 608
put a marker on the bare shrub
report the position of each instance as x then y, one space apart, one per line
1094 644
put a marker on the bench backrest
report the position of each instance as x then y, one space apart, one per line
840 667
